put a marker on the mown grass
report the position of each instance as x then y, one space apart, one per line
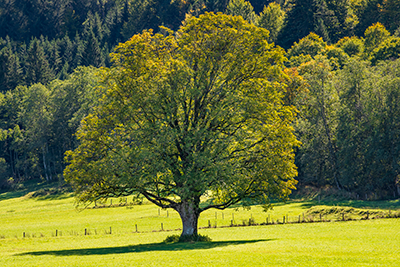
349 243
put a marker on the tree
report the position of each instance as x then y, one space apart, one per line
190 114
92 53
272 19
311 45
10 70
388 49
317 158
354 126
241 8
368 13
374 36
299 23
353 46
368 129
70 101
390 14
36 119
37 66
307 16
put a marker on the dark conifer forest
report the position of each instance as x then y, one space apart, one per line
342 75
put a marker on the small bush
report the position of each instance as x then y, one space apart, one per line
172 239
187 238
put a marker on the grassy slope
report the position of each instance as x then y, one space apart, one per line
355 243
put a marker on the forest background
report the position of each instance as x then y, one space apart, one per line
343 75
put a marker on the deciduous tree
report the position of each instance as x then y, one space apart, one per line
190 115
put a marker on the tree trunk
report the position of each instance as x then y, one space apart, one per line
331 148
189 213
44 164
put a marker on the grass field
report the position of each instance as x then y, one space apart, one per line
55 235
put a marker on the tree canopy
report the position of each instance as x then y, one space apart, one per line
192 120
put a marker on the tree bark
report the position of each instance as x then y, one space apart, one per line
189 213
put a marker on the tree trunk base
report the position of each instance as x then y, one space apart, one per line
189 214
194 238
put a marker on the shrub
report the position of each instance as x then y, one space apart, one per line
187 238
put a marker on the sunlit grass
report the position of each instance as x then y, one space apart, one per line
350 243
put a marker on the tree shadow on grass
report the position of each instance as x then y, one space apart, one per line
12 194
141 248
360 204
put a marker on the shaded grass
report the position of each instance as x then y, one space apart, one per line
387 204
142 248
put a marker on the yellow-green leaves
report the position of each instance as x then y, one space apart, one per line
189 112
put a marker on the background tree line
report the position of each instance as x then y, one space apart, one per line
343 76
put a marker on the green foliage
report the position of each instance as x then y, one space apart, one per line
352 46
389 49
91 55
299 23
317 157
348 127
187 114
353 124
374 36
311 45
37 65
272 18
390 14
368 128
241 8
325 18
38 125
336 56
10 69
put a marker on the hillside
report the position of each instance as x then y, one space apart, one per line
342 76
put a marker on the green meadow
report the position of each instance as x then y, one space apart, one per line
50 231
